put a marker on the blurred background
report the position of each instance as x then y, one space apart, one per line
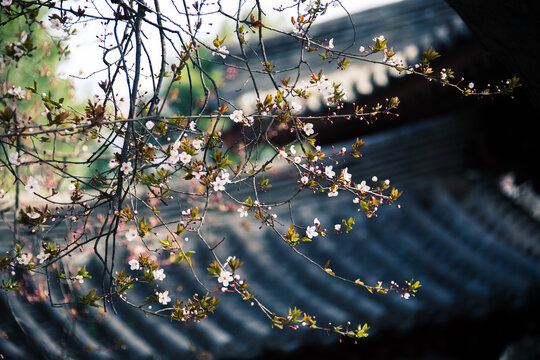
468 228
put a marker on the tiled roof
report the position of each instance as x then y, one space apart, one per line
411 27
472 248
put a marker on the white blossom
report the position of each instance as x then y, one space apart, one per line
43 256
249 121
17 91
331 43
237 116
149 125
126 168
329 172
362 186
56 24
311 232
14 158
32 185
6 3
79 278
185 157
158 274
310 5
295 106
346 176
197 144
337 227
308 129
325 87
221 51
243 211
292 150
333 193
225 277
174 158
132 234
34 215
221 180
163 297
134 264
24 259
